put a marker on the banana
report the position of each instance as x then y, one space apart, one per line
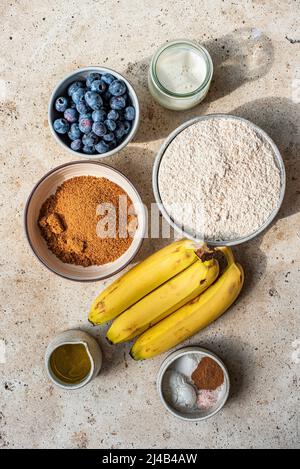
142 279
193 316
164 300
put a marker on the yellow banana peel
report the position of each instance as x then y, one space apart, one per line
193 316
142 279
163 301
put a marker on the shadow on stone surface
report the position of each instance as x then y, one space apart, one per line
240 56
279 117
238 358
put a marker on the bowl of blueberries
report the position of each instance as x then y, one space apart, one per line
94 112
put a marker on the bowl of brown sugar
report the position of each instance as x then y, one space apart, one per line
85 221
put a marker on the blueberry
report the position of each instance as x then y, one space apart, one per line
108 78
121 115
109 137
82 107
113 144
89 149
88 115
120 130
74 87
106 96
74 132
99 116
61 126
113 115
99 129
102 147
85 124
78 95
99 86
129 113
71 115
61 104
117 102
76 144
117 88
91 77
93 100
127 127
110 124
89 139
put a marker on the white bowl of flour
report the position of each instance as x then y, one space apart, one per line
219 178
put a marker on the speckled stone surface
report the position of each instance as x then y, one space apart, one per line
254 46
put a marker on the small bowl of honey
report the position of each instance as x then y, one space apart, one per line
73 358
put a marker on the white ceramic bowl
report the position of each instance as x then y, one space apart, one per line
186 233
61 90
170 362
47 186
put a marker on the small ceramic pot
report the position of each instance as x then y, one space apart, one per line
93 349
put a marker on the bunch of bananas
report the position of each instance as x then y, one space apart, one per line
167 298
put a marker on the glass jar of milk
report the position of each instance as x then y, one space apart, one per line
180 74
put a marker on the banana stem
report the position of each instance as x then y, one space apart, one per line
204 252
227 253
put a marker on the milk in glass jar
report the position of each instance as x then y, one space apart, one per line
180 74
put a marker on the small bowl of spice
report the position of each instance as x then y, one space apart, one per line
85 221
193 384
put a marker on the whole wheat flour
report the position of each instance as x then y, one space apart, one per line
219 179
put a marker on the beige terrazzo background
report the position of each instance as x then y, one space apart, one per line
255 48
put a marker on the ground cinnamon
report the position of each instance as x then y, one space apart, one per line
68 221
208 375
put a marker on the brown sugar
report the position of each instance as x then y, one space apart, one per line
68 221
208 374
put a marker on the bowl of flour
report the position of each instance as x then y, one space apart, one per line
220 179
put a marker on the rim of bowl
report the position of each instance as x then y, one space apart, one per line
186 233
135 103
171 358
102 277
